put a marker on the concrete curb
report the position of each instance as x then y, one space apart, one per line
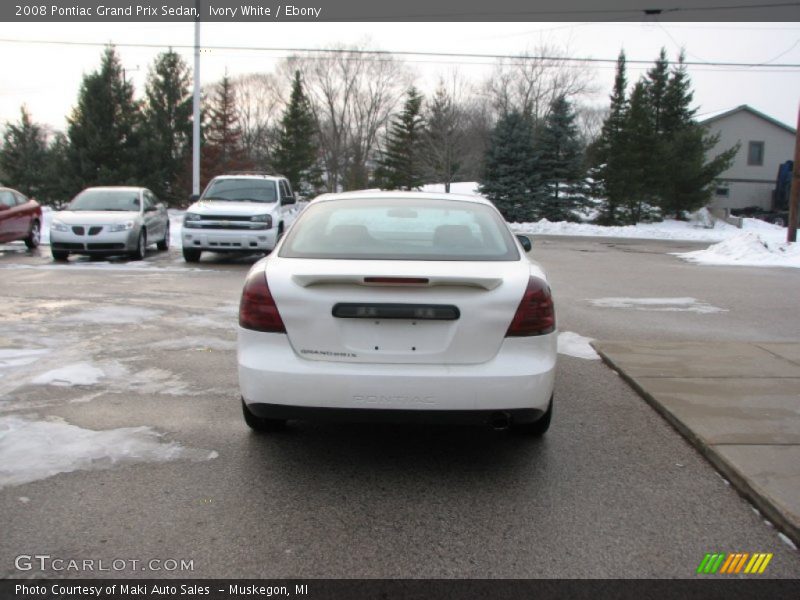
746 488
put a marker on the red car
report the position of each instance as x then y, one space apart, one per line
20 218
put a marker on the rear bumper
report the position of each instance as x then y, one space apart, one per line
229 240
275 380
368 415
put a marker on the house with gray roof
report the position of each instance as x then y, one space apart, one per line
764 144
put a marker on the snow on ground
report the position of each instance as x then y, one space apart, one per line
572 344
659 304
82 373
113 315
748 249
31 450
19 357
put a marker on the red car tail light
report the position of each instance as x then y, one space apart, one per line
536 314
257 309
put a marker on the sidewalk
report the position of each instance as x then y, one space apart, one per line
737 403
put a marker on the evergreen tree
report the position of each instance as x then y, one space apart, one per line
223 150
562 185
510 172
104 129
168 124
401 165
607 154
690 179
23 157
58 186
296 151
444 139
639 141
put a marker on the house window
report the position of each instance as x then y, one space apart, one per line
723 192
755 154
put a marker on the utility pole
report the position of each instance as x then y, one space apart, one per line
196 107
794 195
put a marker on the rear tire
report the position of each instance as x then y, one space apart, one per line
191 255
164 244
261 424
60 255
537 428
32 241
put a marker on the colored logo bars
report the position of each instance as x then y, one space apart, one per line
733 563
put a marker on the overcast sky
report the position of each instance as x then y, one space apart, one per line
47 77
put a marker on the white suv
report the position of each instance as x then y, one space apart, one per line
239 212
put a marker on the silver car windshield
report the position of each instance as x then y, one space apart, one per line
241 190
400 229
122 200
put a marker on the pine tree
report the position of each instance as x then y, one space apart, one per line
401 165
223 151
689 178
607 153
444 143
104 129
168 124
562 185
639 140
296 151
23 158
510 172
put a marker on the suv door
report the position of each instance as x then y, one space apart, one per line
287 200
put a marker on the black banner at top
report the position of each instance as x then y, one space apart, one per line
407 10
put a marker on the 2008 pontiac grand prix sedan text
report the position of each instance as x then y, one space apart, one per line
398 306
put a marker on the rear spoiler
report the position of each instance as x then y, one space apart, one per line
486 283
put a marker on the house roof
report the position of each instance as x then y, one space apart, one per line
751 110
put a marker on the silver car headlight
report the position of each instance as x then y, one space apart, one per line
58 226
126 226
190 220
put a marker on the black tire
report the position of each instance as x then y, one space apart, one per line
191 255
141 246
164 244
537 428
32 241
59 255
261 424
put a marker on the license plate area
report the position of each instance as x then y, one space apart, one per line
381 311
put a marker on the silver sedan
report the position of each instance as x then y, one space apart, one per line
110 220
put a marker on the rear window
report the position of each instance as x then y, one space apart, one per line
400 229
241 190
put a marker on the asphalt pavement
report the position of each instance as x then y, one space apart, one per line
613 490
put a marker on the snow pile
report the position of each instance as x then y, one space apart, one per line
19 357
572 344
659 304
32 450
75 374
747 249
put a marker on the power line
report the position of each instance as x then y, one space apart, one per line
390 53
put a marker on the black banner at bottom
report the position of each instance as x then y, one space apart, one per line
390 589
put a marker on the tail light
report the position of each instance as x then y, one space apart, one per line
257 309
536 314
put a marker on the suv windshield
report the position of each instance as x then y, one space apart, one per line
241 190
125 200
400 229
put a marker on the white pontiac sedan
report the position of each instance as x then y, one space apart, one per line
110 220
398 306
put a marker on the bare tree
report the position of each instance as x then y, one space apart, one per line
530 82
259 103
352 96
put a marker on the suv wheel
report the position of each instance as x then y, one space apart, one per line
191 255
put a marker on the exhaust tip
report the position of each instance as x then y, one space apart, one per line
500 421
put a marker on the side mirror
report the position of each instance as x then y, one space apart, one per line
151 208
194 198
289 200
525 242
